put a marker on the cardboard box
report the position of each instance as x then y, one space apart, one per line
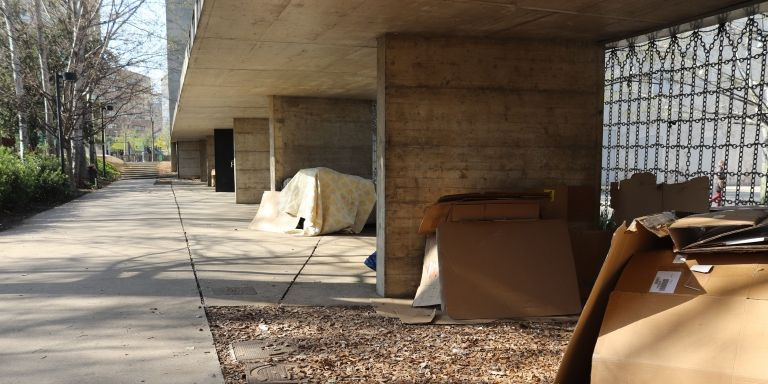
589 248
734 230
627 240
452 211
573 203
507 269
666 323
639 196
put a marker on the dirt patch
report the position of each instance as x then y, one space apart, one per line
354 344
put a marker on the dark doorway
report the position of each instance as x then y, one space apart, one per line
225 160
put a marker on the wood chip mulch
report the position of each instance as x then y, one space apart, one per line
354 344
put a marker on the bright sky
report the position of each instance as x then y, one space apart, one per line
143 37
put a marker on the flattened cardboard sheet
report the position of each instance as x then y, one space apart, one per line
721 231
507 269
429 292
640 196
577 362
505 209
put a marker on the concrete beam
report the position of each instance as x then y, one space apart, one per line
460 115
308 132
252 175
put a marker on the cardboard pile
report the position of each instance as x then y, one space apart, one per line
640 196
693 316
510 255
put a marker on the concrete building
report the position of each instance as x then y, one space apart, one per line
469 96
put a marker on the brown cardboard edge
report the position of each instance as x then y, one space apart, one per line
577 361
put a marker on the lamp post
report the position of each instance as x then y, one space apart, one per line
107 107
67 76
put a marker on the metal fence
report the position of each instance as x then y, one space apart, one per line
692 104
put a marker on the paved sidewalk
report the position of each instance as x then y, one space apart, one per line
100 290
238 266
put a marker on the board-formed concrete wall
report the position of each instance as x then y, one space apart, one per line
318 132
188 153
203 160
458 115
252 176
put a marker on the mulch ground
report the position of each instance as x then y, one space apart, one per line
354 344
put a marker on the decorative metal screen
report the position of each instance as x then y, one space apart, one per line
693 104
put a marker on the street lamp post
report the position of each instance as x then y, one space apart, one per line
67 76
104 141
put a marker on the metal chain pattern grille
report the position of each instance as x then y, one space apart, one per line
692 104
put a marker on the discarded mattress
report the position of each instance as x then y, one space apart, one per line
327 200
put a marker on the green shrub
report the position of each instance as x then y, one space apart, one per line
112 172
49 184
38 179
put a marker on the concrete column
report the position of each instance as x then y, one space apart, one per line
189 159
316 132
174 158
203 160
210 152
252 174
460 115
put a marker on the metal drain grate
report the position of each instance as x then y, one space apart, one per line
234 291
254 350
268 374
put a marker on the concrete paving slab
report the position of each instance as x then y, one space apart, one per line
238 266
100 290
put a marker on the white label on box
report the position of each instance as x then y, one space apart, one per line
665 282
702 268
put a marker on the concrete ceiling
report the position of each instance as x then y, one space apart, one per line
246 50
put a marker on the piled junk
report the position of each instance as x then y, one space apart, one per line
317 201
680 297
507 255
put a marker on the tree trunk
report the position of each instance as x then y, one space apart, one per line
80 163
18 83
42 53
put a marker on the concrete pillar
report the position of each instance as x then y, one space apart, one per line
252 175
174 158
460 115
210 152
189 159
203 160
316 132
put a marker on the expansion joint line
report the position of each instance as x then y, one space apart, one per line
299 272
189 250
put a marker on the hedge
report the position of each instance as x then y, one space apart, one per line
36 180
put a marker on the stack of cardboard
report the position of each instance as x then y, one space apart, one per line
679 301
490 255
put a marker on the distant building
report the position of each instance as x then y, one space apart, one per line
136 115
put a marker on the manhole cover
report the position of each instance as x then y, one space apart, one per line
259 350
233 291
268 373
